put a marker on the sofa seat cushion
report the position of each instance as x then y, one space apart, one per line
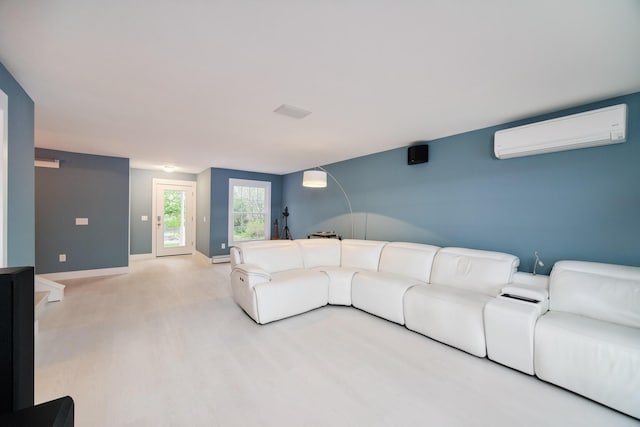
340 279
381 294
289 293
450 315
594 358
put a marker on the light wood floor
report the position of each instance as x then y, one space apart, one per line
166 346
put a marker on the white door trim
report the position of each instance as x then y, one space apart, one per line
154 213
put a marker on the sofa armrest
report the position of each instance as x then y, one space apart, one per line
525 292
250 274
244 278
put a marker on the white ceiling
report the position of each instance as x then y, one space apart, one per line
195 82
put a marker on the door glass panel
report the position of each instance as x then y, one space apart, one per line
174 218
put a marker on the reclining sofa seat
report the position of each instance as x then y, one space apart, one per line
270 282
401 266
451 308
589 340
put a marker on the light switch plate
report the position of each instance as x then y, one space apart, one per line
144 218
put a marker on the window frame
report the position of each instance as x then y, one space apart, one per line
266 185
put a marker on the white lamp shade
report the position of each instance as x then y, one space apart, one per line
314 179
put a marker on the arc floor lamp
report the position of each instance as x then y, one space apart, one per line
318 179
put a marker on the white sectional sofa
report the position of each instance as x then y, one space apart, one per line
578 328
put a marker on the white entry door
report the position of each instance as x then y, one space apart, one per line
174 218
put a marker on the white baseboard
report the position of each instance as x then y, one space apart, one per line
220 259
202 256
138 257
79 274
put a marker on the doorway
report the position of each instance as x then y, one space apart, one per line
174 217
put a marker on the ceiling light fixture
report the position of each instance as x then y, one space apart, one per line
291 111
168 168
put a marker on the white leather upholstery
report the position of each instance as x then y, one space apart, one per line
272 255
451 309
526 291
289 293
509 331
270 283
447 314
381 294
320 252
594 358
340 279
412 260
361 254
402 265
589 341
600 291
475 270
243 293
234 257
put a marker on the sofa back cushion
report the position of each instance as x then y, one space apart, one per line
320 252
272 255
601 291
485 272
361 254
408 259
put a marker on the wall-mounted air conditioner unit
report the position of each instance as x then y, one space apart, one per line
47 163
597 127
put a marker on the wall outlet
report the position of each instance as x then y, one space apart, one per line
62 258
222 245
82 221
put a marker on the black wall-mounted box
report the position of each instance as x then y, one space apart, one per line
418 154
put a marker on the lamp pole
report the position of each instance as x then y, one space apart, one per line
345 196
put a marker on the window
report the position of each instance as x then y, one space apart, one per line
249 210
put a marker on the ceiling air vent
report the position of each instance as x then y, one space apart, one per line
291 111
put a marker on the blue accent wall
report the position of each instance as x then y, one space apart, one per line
20 174
85 186
220 203
203 213
580 204
141 204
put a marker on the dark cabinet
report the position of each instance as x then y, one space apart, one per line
16 338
